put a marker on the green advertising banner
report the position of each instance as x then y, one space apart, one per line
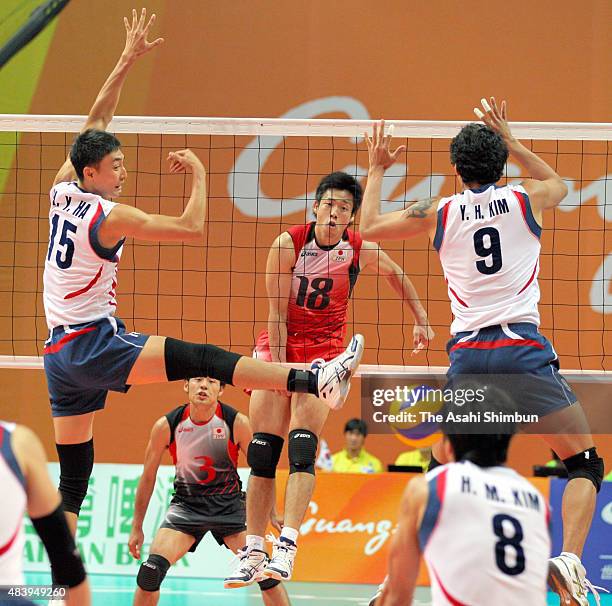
105 523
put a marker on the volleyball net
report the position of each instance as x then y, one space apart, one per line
262 175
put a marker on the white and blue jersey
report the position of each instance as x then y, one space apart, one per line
80 274
88 351
12 509
489 246
484 537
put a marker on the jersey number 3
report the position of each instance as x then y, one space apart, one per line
493 250
67 228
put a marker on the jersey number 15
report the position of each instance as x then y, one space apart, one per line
65 261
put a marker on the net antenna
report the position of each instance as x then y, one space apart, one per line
40 17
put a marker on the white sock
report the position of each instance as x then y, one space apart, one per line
290 533
254 541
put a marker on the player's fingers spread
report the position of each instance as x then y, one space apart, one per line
126 23
503 109
400 150
156 42
479 113
150 23
134 18
143 15
485 105
374 133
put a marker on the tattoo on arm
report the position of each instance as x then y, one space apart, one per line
418 210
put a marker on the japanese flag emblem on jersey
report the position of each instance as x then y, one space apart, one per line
219 433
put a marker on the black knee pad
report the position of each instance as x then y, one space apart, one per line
186 360
268 584
586 464
302 451
76 463
263 454
152 572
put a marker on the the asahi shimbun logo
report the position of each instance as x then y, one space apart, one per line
379 531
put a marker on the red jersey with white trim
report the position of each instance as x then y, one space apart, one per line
205 456
80 274
322 283
12 508
489 246
485 537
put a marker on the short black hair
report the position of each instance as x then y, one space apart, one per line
484 449
343 181
356 425
90 147
479 153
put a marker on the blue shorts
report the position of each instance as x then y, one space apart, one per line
84 361
522 359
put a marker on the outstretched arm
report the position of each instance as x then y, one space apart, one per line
158 442
372 256
420 216
546 189
103 109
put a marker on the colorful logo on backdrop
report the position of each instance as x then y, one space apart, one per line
413 430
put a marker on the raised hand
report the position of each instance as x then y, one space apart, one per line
494 117
184 159
379 152
136 42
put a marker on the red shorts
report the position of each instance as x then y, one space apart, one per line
299 349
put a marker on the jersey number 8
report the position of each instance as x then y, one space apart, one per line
513 542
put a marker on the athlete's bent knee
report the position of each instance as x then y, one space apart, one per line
187 360
76 464
264 453
302 451
152 572
587 465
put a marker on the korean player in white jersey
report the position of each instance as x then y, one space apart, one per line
89 351
311 271
482 529
488 239
26 486
203 437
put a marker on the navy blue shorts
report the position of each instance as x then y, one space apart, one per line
520 357
84 361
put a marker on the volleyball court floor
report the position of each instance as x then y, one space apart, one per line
118 590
